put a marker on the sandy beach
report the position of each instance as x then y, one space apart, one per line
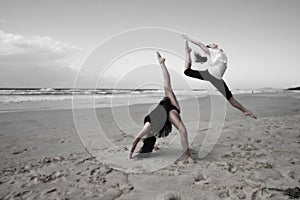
43 155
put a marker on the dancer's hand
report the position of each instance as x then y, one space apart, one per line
250 114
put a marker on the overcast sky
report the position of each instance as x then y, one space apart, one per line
45 43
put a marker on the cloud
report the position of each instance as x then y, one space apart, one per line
37 61
12 44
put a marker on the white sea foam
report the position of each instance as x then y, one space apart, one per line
52 98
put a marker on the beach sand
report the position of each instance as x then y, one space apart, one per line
44 153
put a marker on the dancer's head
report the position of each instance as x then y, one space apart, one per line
212 45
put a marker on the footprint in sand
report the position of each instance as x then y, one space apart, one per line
51 190
291 174
20 151
47 178
22 194
276 193
248 147
200 178
224 193
62 141
98 175
168 196
112 194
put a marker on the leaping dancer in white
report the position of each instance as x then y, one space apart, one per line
218 65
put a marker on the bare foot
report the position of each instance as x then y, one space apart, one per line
250 114
161 60
187 48
189 160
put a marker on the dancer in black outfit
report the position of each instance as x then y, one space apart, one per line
218 64
205 75
159 122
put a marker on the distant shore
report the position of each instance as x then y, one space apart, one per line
294 88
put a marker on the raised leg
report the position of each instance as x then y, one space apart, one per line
188 59
188 64
167 82
175 119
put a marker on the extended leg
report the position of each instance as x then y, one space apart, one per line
239 106
177 122
167 82
223 88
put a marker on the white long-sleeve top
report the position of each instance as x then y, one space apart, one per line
218 62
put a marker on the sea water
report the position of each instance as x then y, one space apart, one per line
23 99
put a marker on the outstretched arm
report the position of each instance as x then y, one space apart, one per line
145 130
201 45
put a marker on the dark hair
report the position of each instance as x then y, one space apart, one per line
148 145
199 58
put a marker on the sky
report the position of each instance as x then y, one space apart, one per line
112 43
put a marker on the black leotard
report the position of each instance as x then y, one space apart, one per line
160 124
159 118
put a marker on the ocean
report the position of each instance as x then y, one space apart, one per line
23 99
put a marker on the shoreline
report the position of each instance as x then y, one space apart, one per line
66 104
